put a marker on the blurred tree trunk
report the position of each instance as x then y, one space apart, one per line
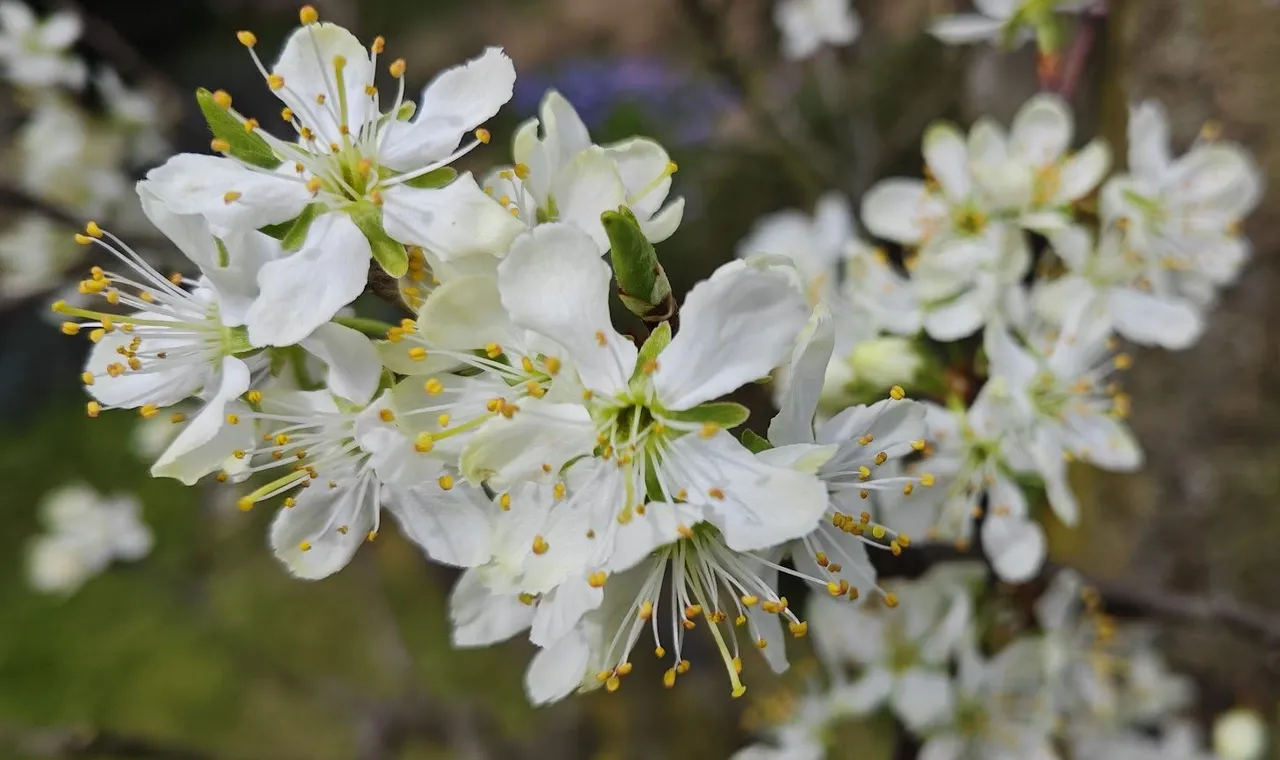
1204 514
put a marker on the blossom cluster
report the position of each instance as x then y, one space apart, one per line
65 156
584 472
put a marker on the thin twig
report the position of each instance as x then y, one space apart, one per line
1078 55
1123 599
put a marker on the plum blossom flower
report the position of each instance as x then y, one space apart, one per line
807 25
85 532
1008 23
1182 215
353 175
560 175
36 53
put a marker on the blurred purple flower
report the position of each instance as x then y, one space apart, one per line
677 104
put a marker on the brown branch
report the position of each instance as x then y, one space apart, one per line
1078 55
1123 599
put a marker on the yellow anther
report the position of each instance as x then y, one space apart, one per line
881 458
493 350
692 611
93 229
597 579
386 415
371 536
397 68
891 600
833 589
314 184
245 503
433 386
222 99
231 196
308 15
799 628
85 239
93 408
866 439
86 378
558 490
233 419
716 494
908 488
669 678
483 135
927 480
624 669
521 170
504 501
290 502
683 667
248 39
649 367
70 328
250 125
761 643
445 481
897 393
379 44
864 472
424 443
275 81
148 411
254 397
552 365
305 546
417 353
919 445
685 531
1123 361
286 114
750 600
135 363
601 339
540 545
878 531
709 429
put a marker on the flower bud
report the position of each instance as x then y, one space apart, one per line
886 361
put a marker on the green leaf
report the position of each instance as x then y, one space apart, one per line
224 256
297 232
726 414
249 147
642 284
431 180
390 255
755 442
277 231
659 339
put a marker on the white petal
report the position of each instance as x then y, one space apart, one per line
892 423
60 30
554 283
1104 440
452 222
892 210
642 165
987 144
155 384
945 747
867 693
662 523
1014 545
585 188
1050 462
198 184
314 522
922 698
352 369
846 634
565 134
809 359
464 314
754 504
948 158
964 28
1084 171
1008 359
1221 178
1074 245
307 66
1042 130
1149 140
663 224
305 289
391 449
960 316
735 327
506 451
1150 320
457 101
208 440
451 526
562 609
558 670
16 18
480 617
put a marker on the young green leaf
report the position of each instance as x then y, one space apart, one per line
725 414
642 284
390 255
755 442
433 179
659 339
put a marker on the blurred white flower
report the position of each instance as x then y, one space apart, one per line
1239 734
85 532
137 113
69 161
1008 23
797 727
807 25
35 252
1182 215
35 53
885 362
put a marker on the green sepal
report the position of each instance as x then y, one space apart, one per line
249 147
235 341
433 179
642 284
224 256
726 414
390 255
658 340
652 487
296 235
755 442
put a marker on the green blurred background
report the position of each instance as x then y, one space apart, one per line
208 648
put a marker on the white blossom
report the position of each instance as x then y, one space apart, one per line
808 25
85 532
1008 23
36 53
1239 734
